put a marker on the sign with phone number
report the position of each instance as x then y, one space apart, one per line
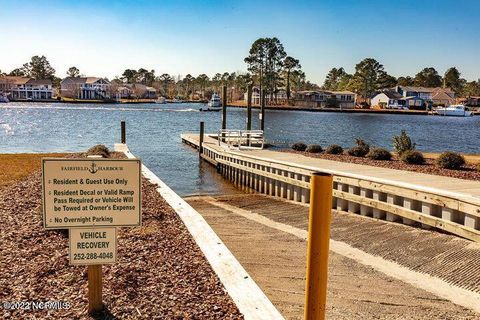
93 245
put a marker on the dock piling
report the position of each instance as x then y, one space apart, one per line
200 144
224 110
262 109
123 138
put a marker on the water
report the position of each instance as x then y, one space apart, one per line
153 133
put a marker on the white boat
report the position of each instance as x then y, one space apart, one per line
457 110
161 100
3 98
215 104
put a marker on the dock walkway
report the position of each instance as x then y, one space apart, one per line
463 188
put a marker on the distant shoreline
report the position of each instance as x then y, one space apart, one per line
377 111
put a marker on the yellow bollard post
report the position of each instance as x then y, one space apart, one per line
318 245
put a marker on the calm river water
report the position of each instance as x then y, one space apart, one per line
153 133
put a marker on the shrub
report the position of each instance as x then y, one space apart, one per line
299 146
314 148
403 143
379 154
99 150
412 157
361 150
450 160
334 149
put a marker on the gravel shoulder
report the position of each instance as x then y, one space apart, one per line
160 274
468 172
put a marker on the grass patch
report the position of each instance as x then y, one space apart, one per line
14 167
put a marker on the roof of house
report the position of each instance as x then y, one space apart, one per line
441 95
425 89
81 80
342 92
391 94
14 80
140 86
39 82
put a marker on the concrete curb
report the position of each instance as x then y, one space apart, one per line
247 295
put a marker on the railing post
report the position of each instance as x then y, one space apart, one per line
224 110
123 137
318 245
200 144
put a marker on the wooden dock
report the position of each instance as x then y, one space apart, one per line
449 204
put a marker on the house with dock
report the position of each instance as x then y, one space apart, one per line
409 97
325 99
24 88
85 88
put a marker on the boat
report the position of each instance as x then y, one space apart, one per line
161 100
215 104
457 110
3 98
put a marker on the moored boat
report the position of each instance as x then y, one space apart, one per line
458 110
3 98
161 100
215 104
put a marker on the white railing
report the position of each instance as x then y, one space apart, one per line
241 139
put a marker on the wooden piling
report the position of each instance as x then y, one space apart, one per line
200 144
224 110
262 109
123 137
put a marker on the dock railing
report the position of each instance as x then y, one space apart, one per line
391 200
241 139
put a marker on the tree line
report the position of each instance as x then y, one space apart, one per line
370 76
271 69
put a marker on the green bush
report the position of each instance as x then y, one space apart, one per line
450 160
403 143
99 150
299 146
379 154
361 150
412 157
314 148
334 149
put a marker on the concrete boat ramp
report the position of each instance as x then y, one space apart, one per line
378 269
403 245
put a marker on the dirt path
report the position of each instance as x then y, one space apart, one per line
276 260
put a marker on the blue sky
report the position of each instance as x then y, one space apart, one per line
103 38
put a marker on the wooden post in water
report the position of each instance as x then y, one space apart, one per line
123 138
318 245
249 110
262 109
95 303
224 110
200 144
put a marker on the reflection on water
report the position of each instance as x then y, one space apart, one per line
153 133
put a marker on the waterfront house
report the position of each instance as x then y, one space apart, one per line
7 83
470 101
388 99
85 88
430 96
325 99
33 90
23 88
280 97
141 91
